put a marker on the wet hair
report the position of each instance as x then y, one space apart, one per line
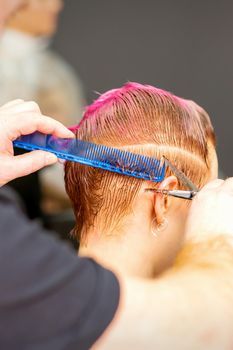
144 120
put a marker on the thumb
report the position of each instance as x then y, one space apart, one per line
29 163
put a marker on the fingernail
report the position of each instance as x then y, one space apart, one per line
70 134
50 158
61 161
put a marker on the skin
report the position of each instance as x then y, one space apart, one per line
21 118
190 306
149 309
133 250
8 7
165 313
29 18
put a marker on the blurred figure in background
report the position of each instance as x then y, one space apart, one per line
30 70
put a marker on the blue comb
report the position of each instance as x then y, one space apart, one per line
98 156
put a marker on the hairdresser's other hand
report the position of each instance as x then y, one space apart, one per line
21 118
211 212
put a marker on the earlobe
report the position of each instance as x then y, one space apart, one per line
157 228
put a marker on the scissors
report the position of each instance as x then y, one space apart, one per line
190 194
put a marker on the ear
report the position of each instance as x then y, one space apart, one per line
162 202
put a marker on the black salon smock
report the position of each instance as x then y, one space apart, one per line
29 190
49 298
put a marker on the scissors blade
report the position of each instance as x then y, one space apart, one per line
175 193
182 177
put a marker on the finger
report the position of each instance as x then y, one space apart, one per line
61 161
28 163
212 185
31 122
13 103
228 184
48 125
22 107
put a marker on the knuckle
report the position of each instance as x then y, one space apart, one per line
33 106
228 181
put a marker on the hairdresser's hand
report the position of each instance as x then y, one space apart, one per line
21 118
211 212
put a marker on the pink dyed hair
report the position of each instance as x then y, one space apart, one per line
141 119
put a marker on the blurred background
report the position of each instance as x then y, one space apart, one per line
61 53
183 46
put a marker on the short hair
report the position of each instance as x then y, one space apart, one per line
144 120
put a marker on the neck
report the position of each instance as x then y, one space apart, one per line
126 254
135 252
132 249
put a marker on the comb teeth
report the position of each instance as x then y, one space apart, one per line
99 156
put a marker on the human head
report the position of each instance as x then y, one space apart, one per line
38 18
145 120
7 7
